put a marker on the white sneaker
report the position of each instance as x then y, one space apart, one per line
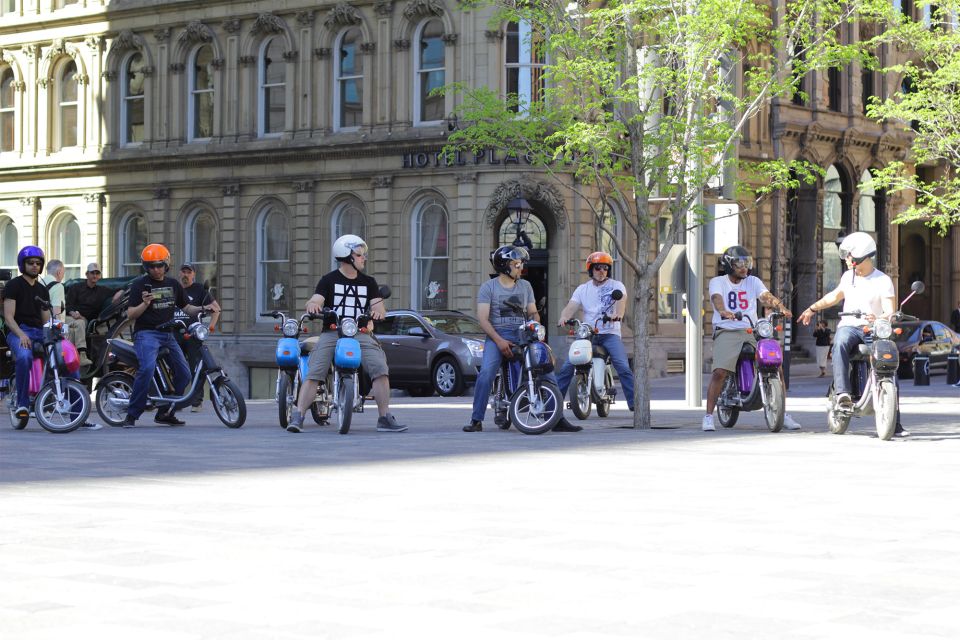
790 423
91 426
708 423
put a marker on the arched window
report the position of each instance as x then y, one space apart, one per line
201 246
273 260
348 218
431 260
272 74
66 244
200 95
430 73
9 244
7 110
833 217
348 89
836 221
67 103
532 227
867 220
132 113
132 239
524 65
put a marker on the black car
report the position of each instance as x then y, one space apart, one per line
930 337
431 351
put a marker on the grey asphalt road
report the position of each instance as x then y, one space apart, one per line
205 532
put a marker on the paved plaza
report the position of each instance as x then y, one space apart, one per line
205 532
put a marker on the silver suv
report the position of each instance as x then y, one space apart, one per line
431 351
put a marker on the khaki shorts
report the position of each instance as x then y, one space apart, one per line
727 345
373 359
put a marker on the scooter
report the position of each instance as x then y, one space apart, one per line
593 372
756 384
115 388
58 402
292 356
873 376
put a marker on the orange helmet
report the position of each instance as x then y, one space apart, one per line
154 253
599 257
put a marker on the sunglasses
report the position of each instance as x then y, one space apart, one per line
604 267
157 265
33 263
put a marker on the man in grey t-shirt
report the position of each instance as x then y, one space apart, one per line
502 326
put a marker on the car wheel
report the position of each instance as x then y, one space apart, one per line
447 378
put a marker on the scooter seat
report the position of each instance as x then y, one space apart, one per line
748 351
600 351
308 345
120 346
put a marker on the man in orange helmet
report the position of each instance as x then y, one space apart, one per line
153 300
595 298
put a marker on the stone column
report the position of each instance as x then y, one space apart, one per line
32 206
386 248
93 230
463 238
303 256
233 270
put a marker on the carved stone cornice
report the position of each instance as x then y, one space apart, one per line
466 177
384 7
267 23
321 53
401 44
109 76
217 63
148 71
246 61
94 43
306 18
59 48
342 15
531 190
126 40
20 86
449 39
32 51
93 198
381 182
30 201
43 83
195 31
303 186
422 8
368 48
231 26
230 189
291 56
83 79
161 193
493 35
162 34
177 67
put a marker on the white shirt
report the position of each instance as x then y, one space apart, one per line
741 297
864 293
594 299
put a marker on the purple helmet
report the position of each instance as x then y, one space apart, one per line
30 251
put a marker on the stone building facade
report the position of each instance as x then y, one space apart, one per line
246 136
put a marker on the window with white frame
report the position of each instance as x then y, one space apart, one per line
9 244
7 109
867 217
348 88
672 278
201 246
132 239
8 7
524 65
201 94
431 261
132 102
67 105
273 260
66 3
430 73
348 218
66 244
272 74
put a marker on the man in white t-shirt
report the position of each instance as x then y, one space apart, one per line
862 288
735 291
594 297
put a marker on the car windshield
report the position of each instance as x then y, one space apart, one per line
454 324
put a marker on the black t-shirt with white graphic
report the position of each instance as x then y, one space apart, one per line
350 298
167 295
197 295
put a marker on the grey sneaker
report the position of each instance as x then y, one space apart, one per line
389 423
296 422
91 426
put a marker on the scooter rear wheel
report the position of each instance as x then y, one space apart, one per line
11 402
113 397
727 415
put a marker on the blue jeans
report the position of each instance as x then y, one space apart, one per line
147 344
844 344
488 372
23 362
618 358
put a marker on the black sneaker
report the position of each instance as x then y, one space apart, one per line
900 432
475 425
389 423
128 422
564 426
163 417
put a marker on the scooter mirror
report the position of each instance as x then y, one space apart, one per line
385 292
918 287
617 294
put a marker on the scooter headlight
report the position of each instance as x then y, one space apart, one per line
199 331
538 330
348 327
583 332
883 329
764 328
290 328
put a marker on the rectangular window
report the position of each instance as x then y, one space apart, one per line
263 383
834 89
866 84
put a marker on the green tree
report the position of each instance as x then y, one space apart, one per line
641 105
928 109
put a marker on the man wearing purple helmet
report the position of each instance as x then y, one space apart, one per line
24 318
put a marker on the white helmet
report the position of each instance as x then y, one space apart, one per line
859 246
344 247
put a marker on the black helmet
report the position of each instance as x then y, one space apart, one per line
735 257
503 256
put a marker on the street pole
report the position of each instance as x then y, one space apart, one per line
694 321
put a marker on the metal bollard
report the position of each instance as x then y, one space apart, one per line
921 370
953 367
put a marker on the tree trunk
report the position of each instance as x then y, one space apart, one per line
642 297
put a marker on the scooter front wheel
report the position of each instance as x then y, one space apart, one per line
774 408
113 398
64 411
286 399
727 415
228 403
534 416
579 393
885 409
345 401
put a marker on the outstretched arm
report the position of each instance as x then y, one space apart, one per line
825 302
